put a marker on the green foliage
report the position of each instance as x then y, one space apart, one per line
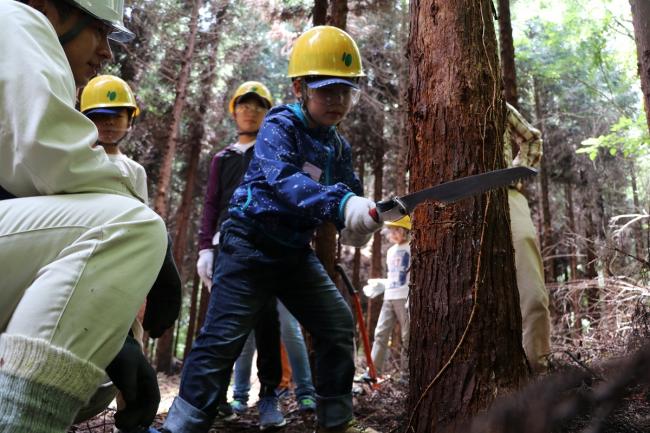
628 137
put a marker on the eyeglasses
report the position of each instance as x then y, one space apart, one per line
251 108
335 94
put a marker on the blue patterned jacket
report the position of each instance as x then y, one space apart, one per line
298 178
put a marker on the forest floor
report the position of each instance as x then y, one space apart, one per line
382 408
592 386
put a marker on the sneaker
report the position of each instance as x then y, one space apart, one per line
225 412
239 407
306 403
352 426
270 415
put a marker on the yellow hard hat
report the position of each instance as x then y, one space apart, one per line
325 50
250 87
404 222
108 91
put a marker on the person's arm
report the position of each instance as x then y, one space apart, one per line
141 183
210 206
279 159
527 138
45 144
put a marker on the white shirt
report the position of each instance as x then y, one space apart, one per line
133 171
45 144
241 147
398 263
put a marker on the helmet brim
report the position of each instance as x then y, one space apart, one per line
323 82
120 34
109 111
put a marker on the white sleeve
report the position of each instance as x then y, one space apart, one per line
45 144
141 183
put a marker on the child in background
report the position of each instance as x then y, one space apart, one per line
396 290
109 102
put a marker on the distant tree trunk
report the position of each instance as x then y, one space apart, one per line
339 13
638 232
401 162
508 55
377 259
182 219
550 269
641 22
466 341
356 260
319 12
326 233
169 152
573 248
191 324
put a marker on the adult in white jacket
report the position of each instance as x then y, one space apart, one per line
78 248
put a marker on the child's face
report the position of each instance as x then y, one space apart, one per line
87 51
328 105
249 114
111 128
396 235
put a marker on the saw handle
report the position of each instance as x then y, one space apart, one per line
374 214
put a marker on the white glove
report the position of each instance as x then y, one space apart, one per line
348 237
374 288
357 216
204 266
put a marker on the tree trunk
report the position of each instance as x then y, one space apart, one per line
466 341
377 259
319 12
638 232
339 13
195 141
192 325
508 55
641 22
169 153
326 234
573 255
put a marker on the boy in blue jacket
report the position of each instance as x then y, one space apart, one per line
300 176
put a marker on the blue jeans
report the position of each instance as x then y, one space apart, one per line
250 270
243 370
294 342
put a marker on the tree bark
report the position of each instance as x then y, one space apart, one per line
339 13
573 256
169 153
195 141
508 55
638 232
319 12
466 341
377 259
641 23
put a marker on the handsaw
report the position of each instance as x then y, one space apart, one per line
397 207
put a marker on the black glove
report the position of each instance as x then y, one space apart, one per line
164 298
136 380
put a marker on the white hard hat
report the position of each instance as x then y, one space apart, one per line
109 11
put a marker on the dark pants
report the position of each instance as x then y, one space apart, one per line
251 270
267 338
